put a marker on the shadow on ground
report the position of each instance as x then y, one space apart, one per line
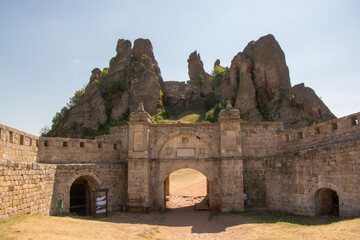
206 222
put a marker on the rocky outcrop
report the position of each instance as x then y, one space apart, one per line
269 71
144 85
263 89
198 76
299 107
257 83
241 78
89 113
95 75
133 76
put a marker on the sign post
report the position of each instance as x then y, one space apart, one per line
99 201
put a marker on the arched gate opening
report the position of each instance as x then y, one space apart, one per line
186 187
80 195
326 203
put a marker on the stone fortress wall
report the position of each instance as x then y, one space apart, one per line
18 146
35 171
278 169
322 134
69 150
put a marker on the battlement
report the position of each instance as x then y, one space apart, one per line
17 146
330 132
70 150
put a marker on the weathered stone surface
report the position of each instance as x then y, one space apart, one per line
120 105
88 113
141 47
240 75
122 59
299 107
269 70
217 62
175 93
144 85
95 74
198 77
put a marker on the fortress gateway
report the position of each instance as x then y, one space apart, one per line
310 171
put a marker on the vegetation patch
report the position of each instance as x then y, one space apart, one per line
216 76
60 117
294 102
200 80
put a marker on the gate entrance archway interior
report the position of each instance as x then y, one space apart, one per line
326 203
80 196
186 187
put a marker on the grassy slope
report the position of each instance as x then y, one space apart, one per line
185 115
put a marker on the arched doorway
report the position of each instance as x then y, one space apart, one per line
80 195
326 202
186 187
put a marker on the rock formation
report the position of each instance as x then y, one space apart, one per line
133 76
257 82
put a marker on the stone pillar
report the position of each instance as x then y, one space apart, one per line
231 162
138 157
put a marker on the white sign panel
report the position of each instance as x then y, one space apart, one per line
100 204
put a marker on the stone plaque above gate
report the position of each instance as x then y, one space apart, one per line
185 152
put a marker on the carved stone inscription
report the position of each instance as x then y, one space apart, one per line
185 152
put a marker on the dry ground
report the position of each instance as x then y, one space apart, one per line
180 223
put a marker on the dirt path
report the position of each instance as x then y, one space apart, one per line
186 223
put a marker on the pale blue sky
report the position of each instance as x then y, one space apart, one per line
48 48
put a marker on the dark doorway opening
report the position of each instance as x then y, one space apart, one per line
80 197
326 203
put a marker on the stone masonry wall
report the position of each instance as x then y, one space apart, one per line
111 176
260 139
292 179
69 150
119 135
232 185
17 146
25 188
325 133
254 182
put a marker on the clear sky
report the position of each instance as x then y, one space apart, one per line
48 48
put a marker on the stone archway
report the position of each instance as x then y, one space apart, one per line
326 202
80 195
186 187
164 168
